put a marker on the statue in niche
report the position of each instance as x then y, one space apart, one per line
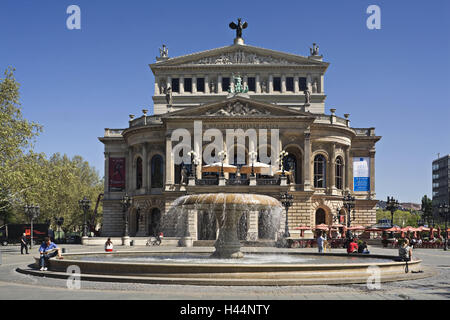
168 92
307 96
314 86
212 87
184 174
162 87
264 86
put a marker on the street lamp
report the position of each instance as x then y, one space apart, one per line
286 201
253 156
32 212
126 204
222 156
59 222
349 204
85 205
392 205
443 212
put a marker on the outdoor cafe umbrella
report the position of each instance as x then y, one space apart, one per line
258 167
394 229
322 226
302 230
357 228
217 167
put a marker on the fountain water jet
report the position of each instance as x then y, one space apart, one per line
228 209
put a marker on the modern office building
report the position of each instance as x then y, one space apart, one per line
441 180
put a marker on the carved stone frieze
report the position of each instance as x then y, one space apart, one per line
237 109
240 57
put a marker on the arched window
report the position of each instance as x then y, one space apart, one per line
154 223
319 171
320 216
157 172
138 173
339 169
290 164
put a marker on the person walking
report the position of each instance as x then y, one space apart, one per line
320 240
23 243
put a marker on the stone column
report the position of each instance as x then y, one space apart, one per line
320 88
245 81
348 170
283 83
206 84
307 162
181 85
194 84
169 82
332 170
219 84
296 84
169 161
129 174
270 83
106 186
309 82
258 84
144 167
157 86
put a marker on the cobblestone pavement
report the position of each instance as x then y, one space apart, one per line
14 285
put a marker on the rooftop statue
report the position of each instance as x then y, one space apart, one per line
238 86
238 27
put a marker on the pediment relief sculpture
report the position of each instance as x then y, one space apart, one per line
240 57
237 109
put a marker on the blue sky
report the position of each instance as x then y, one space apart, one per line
78 82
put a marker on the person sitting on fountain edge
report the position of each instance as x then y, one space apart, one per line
48 250
352 247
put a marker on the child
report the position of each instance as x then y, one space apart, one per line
109 245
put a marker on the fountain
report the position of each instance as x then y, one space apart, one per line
227 265
228 209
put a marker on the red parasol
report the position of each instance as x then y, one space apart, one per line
302 230
393 229
322 226
357 228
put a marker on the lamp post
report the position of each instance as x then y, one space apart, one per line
253 155
32 212
59 222
443 212
126 204
222 156
392 205
349 204
286 201
85 205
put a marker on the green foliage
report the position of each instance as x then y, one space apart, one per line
401 218
55 184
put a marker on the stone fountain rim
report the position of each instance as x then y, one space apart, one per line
208 198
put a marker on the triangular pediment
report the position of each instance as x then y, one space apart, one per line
238 107
240 55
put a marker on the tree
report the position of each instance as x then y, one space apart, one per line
16 143
427 209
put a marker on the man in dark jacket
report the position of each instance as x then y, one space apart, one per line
23 243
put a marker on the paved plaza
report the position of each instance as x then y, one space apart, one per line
14 285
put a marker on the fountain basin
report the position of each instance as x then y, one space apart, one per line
310 268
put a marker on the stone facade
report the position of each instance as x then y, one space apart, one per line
321 146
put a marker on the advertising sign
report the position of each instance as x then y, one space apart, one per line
116 174
361 174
